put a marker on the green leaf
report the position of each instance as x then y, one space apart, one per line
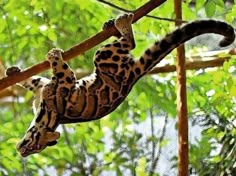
220 3
51 35
216 159
200 4
210 8
232 91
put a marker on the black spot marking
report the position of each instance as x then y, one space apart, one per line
124 59
84 83
106 54
118 45
97 52
40 115
97 59
148 52
125 90
125 45
164 45
148 64
120 51
118 79
137 71
69 80
114 95
131 62
57 58
108 45
64 91
131 78
65 66
124 65
142 61
156 54
62 82
54 64
60 75
36 84
36 81
31 129
49 117
115 58
37 136
122 73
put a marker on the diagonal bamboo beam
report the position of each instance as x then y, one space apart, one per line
79 48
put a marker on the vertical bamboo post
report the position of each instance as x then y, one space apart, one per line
181 102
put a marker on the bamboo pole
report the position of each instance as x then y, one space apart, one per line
181 102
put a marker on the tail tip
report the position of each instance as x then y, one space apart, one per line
229 37
226 41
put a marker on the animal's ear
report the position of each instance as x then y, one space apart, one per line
52 136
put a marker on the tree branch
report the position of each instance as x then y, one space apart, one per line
149 16
79 48
156 158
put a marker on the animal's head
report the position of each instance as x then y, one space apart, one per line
41 132
37 139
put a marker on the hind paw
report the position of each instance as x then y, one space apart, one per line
12 70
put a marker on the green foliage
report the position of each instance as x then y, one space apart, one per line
121 143
217 117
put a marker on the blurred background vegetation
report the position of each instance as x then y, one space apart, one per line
139 138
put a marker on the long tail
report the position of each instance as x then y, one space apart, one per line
160 49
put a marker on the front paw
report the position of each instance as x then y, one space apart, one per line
109 24
12 70
124 20
54 55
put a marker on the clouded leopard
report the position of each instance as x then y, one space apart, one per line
64 99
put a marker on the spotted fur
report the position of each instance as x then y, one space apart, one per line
64 99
